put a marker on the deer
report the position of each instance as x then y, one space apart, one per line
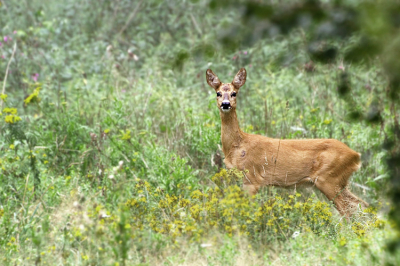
326 164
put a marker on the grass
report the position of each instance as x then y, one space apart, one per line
109 141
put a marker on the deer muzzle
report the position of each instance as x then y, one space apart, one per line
225 106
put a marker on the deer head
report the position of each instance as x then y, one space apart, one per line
226 92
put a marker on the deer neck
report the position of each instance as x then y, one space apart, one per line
231 135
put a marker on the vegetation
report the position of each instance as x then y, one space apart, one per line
109 134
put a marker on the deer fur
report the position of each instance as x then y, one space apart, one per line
324 163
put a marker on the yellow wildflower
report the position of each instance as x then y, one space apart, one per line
34 97
12 111
11 119
126 135
3 96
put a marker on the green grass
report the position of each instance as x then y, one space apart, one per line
116 106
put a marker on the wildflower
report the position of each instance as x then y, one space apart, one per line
11 119
245 52
287 206
197 194
126 135
184 202
12 111
35 77
342 241
271 222
33 97
6 38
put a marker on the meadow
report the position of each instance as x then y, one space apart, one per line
110 150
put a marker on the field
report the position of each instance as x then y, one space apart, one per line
110 149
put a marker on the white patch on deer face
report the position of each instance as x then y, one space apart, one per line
225 110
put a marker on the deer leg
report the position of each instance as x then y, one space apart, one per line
352 200
251 189
345 201
332 194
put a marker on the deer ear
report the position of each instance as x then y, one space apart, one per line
212 79
240 78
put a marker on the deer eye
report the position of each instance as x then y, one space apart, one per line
233 94
219 94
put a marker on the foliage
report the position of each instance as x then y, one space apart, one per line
147 211
109 135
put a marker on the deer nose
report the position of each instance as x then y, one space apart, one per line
226 105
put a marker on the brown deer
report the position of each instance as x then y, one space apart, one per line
324 163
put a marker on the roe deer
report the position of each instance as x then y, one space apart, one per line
325 163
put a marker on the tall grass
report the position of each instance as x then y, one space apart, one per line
109 140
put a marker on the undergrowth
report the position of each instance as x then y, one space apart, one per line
189 215
110 138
